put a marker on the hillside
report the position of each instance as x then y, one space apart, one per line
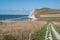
43 11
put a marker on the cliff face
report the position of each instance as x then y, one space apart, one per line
35 14
32 15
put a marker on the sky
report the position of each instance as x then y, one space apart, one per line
24 7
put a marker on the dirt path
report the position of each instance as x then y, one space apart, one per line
48 35
57 35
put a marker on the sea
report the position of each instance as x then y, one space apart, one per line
14 17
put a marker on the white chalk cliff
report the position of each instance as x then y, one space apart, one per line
32 16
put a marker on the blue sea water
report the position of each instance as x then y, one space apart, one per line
14 17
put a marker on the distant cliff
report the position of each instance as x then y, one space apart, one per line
35 14
32 15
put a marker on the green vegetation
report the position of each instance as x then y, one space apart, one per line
40 35
50 29
57 28
53 36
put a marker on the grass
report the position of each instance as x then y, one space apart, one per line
53 36
19 30
40 35
9 37
39 31
57 28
